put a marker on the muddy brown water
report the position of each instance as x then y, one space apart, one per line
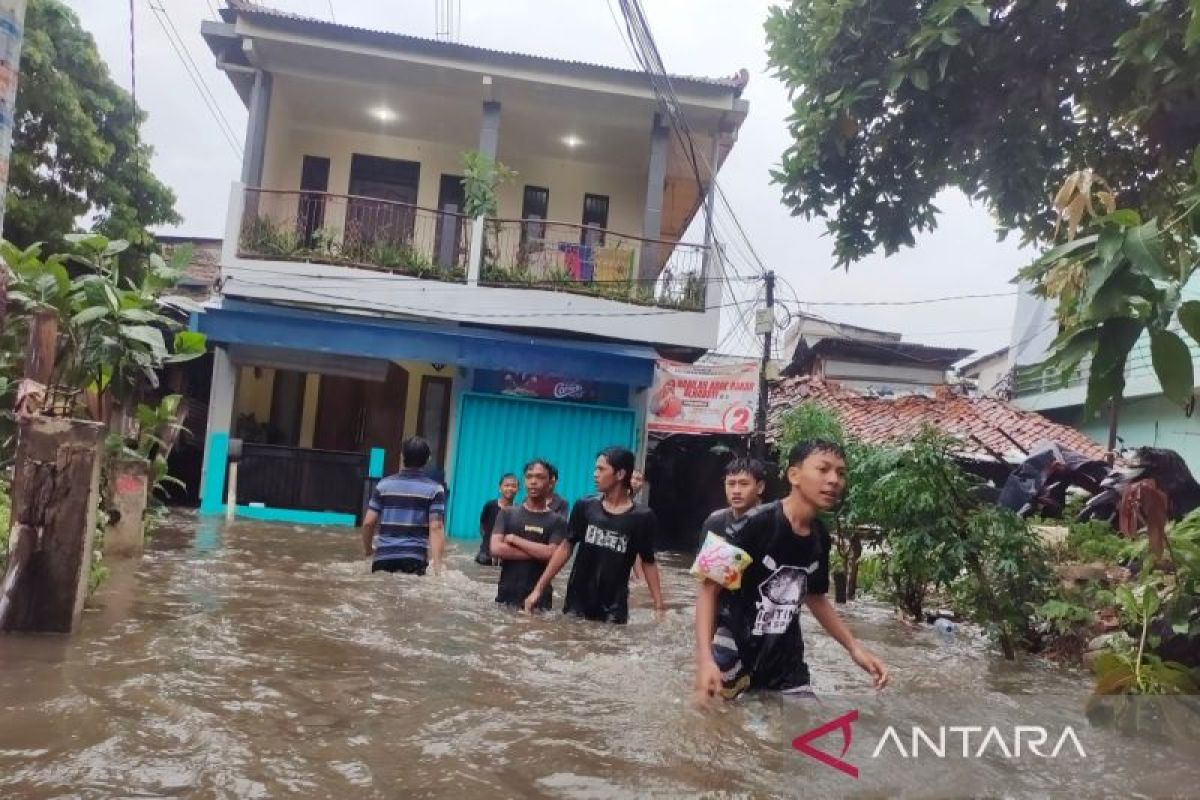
252 660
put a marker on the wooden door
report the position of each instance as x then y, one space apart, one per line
339 414
383 423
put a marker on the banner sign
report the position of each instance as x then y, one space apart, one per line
702 398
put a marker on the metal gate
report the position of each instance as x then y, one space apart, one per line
498 434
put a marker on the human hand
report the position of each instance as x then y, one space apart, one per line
869 662
508 539
708 681
660 612
531 600
435 567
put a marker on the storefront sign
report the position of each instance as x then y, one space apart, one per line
698 398
548 387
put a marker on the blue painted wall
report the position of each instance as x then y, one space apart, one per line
498 434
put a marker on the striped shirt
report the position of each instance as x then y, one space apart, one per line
406 502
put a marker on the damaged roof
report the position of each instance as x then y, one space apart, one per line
990 429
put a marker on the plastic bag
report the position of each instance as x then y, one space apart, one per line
721 562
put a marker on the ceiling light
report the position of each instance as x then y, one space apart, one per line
572 141
384 114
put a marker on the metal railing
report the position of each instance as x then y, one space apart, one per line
349 230
1034 380
588 260
391 236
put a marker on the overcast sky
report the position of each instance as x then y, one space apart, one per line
698 37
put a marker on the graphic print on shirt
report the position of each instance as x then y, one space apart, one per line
610 540
779 597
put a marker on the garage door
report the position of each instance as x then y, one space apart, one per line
498 434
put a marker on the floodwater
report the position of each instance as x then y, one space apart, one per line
250 660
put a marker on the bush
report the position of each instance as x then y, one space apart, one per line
1095 541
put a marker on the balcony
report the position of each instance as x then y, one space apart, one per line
360 232
387 236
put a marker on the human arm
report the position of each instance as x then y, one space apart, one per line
504 548
562 554
708 674
530 549
831 621
369 523
646 556
437 542
655 585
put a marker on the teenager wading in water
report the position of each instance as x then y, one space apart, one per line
611 531
749 638
489 515
525 537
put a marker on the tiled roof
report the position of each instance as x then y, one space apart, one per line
736 82
986 427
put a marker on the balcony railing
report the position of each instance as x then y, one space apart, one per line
354 231
593 261
386 235
1034 380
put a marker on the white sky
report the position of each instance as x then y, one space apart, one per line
696 37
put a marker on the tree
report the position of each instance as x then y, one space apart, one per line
75 145
895 100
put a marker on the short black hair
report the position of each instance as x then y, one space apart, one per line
507 477
553 470
533 462
621 458
749 465
415 452
805 448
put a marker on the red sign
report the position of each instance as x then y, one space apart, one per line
703 398
547 387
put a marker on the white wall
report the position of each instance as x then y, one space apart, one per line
880 376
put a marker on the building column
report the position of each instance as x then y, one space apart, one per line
652 216
712 267
216 441
489 143
256 129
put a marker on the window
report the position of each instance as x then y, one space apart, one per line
534 206
433 416
595 219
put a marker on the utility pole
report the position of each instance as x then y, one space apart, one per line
765 325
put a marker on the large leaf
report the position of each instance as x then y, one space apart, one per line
1173 365
182 303
1189 318
1145 251
1107 380
190 342
90 314
142 315
1066 249
147 335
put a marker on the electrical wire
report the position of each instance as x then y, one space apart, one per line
332 16
197 83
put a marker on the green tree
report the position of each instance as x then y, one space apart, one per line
894 101
75 146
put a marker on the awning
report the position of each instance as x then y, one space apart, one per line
265 325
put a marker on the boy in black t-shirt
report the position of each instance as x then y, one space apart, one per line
749 638
745 482
610 531
487 518
525 536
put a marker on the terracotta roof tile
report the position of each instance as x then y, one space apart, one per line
987 427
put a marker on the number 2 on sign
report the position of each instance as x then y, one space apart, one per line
737 420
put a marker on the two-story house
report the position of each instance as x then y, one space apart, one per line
1145 417
359 305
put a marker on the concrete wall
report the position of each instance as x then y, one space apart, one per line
880 376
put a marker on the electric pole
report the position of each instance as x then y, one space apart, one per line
765 325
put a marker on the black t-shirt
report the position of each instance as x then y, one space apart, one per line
487 518
606 546
559 505
517 578
723 523
763 616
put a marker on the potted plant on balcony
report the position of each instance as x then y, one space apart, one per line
482 178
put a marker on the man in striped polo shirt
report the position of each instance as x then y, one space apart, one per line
404 529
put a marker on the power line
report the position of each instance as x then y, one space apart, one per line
332 16
213 10
920 302
205 89
196 82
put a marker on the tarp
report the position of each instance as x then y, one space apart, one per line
703 398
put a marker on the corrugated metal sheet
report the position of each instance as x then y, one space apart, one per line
498 434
